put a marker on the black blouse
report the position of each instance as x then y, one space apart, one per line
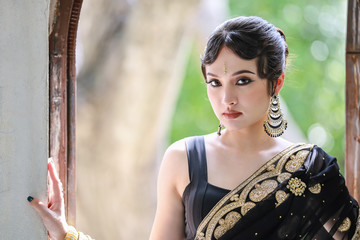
199 196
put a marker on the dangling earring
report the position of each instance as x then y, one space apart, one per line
219 129
275 125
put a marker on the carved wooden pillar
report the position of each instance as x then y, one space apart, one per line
62 83
352 154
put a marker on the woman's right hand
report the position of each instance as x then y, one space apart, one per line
52 214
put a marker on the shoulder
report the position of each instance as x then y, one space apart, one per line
317 154
175 154
174 166
318 161
309 154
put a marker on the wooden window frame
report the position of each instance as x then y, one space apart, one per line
62 97
352 151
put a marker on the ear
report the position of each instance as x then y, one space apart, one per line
279 83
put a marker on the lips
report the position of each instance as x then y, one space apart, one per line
231 114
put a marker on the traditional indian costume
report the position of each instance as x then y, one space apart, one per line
297 194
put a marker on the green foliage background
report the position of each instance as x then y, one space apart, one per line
315 78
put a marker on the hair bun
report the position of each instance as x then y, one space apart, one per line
281 32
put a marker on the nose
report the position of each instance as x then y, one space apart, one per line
229 97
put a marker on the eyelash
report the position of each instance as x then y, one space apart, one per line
214 81
247 81
218 84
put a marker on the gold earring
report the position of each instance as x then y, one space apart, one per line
275 125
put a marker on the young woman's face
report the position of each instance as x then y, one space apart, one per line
239 97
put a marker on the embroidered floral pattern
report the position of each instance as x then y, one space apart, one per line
258 186
296 186
283 177
200 236
280 197
235 197
345 225
296 161
262 190
247 206
226 224
316 189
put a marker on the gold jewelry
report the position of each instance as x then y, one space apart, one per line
72 234
275 125
219 129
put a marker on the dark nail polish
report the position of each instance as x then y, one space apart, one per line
30 198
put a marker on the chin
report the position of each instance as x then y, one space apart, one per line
231 127
243 126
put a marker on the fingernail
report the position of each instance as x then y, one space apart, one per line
30 198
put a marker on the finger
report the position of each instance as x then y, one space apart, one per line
53 174
54 223
50 185
55 183
56 198
39 206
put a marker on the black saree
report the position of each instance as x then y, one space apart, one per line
298 194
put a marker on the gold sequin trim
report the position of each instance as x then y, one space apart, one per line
280 197
283 177
235 197
262 190
226 224
296 186
345 225
246 207
316 189
201 236
296 161
271 168
259 185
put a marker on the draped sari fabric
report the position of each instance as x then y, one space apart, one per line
298 194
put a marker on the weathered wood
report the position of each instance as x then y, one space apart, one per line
71 157
57 88
62 83
352 153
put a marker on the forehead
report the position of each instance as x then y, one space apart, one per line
230 61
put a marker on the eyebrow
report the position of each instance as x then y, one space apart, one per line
234 74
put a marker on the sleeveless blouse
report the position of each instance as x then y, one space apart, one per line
199 196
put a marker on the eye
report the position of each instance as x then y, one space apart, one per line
243 81
214 83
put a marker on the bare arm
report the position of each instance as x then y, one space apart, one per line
173 177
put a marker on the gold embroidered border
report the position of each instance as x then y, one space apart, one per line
221 208
345 225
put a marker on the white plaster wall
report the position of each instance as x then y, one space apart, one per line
23 116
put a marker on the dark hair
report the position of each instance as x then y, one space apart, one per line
249 38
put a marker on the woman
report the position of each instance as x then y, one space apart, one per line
246 182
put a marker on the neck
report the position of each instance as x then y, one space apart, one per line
247 139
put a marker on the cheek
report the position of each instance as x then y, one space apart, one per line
214 99
257 97
211 96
